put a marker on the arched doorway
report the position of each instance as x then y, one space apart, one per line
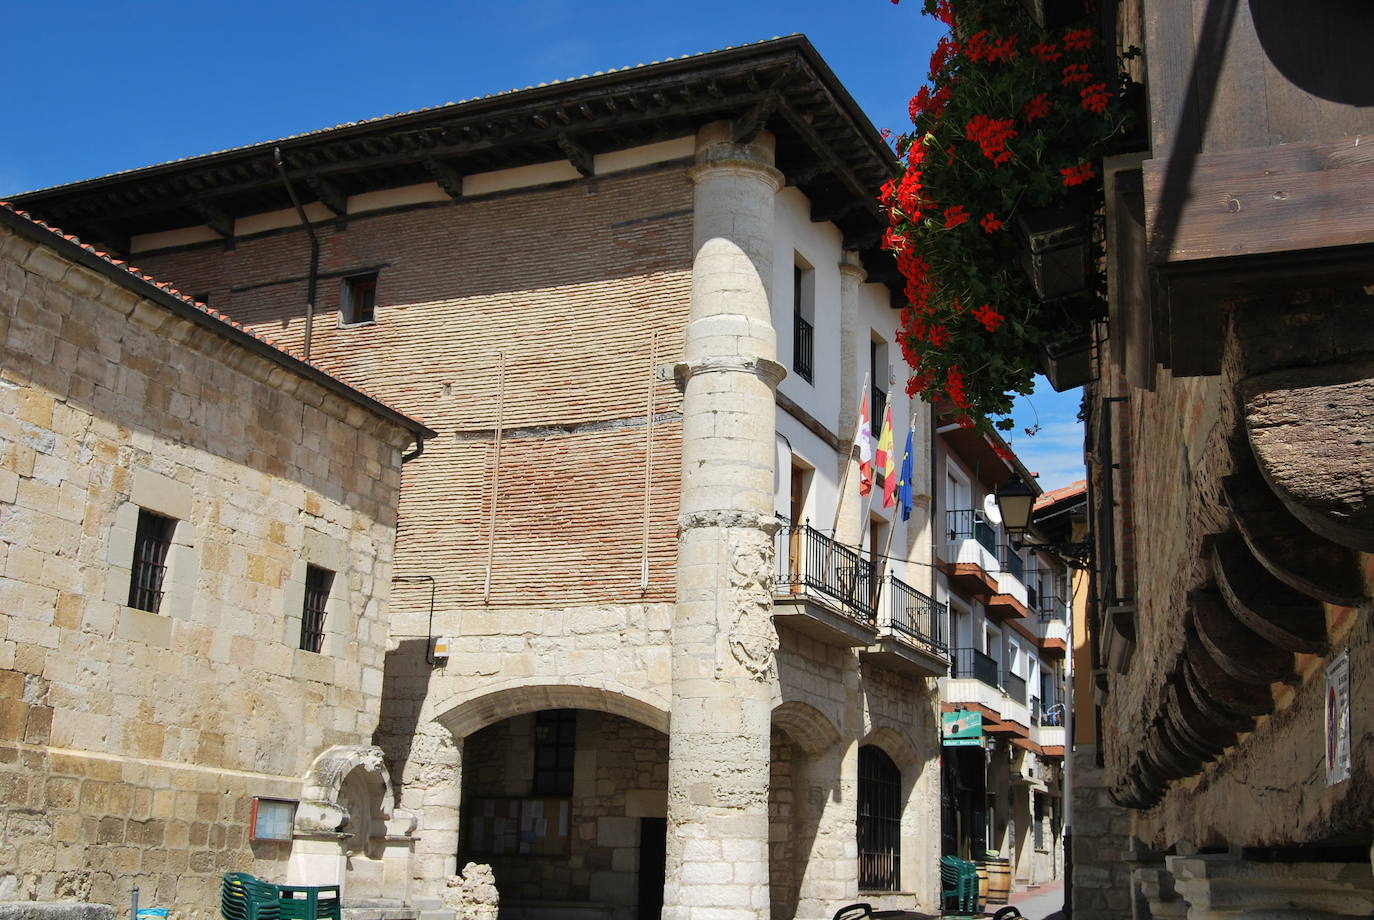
564 794
879 824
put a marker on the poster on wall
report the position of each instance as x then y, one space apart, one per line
961 728
1338 719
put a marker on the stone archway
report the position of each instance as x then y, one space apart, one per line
806 809
438 790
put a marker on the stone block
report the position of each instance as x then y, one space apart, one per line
144 627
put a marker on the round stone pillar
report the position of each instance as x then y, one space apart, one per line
849 527
723 635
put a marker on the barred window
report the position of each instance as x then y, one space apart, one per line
555 743
879 821
152 541
318 582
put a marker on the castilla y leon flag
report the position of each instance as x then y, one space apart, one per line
865 439
887 461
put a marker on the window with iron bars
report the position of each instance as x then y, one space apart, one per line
318 583
555 749
879 821
152 542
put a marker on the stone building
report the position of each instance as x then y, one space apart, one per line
196 539
1229 432
1009 605
637 656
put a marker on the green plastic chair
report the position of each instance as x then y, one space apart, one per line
309 902
244 897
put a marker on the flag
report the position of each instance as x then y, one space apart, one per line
865 441
887 461
904 498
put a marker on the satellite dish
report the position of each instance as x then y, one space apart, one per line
990 509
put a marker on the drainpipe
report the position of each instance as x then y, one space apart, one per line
314 251
419 448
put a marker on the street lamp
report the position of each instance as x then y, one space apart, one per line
1015 500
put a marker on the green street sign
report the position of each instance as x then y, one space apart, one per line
961 728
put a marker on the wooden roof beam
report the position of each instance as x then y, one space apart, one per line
216 219
578 155
329 194
449 179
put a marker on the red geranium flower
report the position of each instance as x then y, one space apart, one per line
990 223
1095 97
1048 52
989 317
1078 39
1038 107
991 134
1077 175
955 215
1076 73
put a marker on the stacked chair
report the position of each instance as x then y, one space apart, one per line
958 883
244 897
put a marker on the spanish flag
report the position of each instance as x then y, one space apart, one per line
887 461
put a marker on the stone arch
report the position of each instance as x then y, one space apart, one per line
896 745
808 726
340 775
518 698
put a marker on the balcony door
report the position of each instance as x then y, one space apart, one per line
796 509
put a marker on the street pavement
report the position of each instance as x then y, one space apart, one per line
1044 903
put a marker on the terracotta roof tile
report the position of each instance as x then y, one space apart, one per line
1055 496
146 279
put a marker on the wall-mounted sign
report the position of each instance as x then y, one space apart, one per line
961 728
1338 719
273 819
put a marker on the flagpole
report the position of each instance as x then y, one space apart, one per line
848 462
892 528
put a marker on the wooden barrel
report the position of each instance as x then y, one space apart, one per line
982 884
999 880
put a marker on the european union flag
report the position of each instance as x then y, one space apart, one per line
904 485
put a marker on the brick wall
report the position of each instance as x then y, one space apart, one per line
571 282
132 742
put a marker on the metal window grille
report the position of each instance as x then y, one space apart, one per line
318 582
152 540
803 346
1039 823
879 821
555 745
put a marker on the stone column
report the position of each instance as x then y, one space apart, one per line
723 636
433 791
854 342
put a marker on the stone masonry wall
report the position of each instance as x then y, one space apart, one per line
1101 842
131 743
617 759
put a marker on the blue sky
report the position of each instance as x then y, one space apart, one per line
97 88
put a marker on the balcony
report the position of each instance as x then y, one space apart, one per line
970 662
1054 628
913 638
970 555
1009 601
1015 687
823 588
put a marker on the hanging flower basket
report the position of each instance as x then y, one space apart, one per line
991 223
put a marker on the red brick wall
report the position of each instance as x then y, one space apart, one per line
570 282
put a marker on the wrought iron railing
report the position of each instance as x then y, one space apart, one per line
879 407
966 523
969 662
1014 686
809 560
803 346
1012 563
915 616
1051 608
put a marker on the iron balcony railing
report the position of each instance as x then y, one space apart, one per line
1051 608
969 662
964 524
1015 687
809 560
1012 563
915 616
803 345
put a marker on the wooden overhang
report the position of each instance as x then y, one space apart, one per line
1005 607
826 147
969 579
